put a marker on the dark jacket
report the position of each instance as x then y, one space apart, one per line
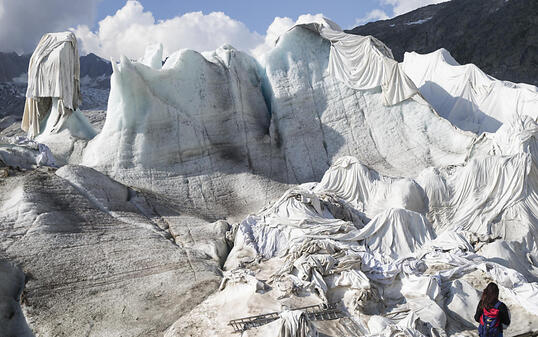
504 317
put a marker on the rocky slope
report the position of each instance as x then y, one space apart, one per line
12 65
500 37
99 258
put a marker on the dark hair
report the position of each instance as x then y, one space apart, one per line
490 296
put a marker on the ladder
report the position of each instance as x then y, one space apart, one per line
318 312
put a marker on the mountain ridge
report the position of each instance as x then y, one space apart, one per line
13 65
473 31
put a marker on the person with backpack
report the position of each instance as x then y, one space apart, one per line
491 313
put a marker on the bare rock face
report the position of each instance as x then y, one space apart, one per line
95 259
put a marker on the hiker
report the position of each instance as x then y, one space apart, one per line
491 313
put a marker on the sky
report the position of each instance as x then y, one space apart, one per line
257 15
112 28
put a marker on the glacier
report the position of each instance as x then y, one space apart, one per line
272 127
221 186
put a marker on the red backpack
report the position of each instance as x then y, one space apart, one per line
490 324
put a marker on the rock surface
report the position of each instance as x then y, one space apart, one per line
96 261
12 319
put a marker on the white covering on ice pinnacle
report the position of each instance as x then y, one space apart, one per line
363 62
465 95
53 72
53 93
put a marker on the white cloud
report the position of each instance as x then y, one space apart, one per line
374 15
307 18
131 29
23 22
404 6
278 27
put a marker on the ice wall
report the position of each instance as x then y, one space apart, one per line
218 133
319 119
197 130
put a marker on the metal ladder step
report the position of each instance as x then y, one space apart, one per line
318 312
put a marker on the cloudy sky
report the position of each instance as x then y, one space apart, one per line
111 28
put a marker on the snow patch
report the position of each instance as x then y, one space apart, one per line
418 22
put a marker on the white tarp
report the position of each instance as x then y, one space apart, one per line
295 323
368 191
364 62
296 217
496 192
388 259
25 153
465 95
53 73
396 233
486 196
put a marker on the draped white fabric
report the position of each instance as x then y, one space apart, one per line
465 95
53 78
364 62
54 69
369 233
295 323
